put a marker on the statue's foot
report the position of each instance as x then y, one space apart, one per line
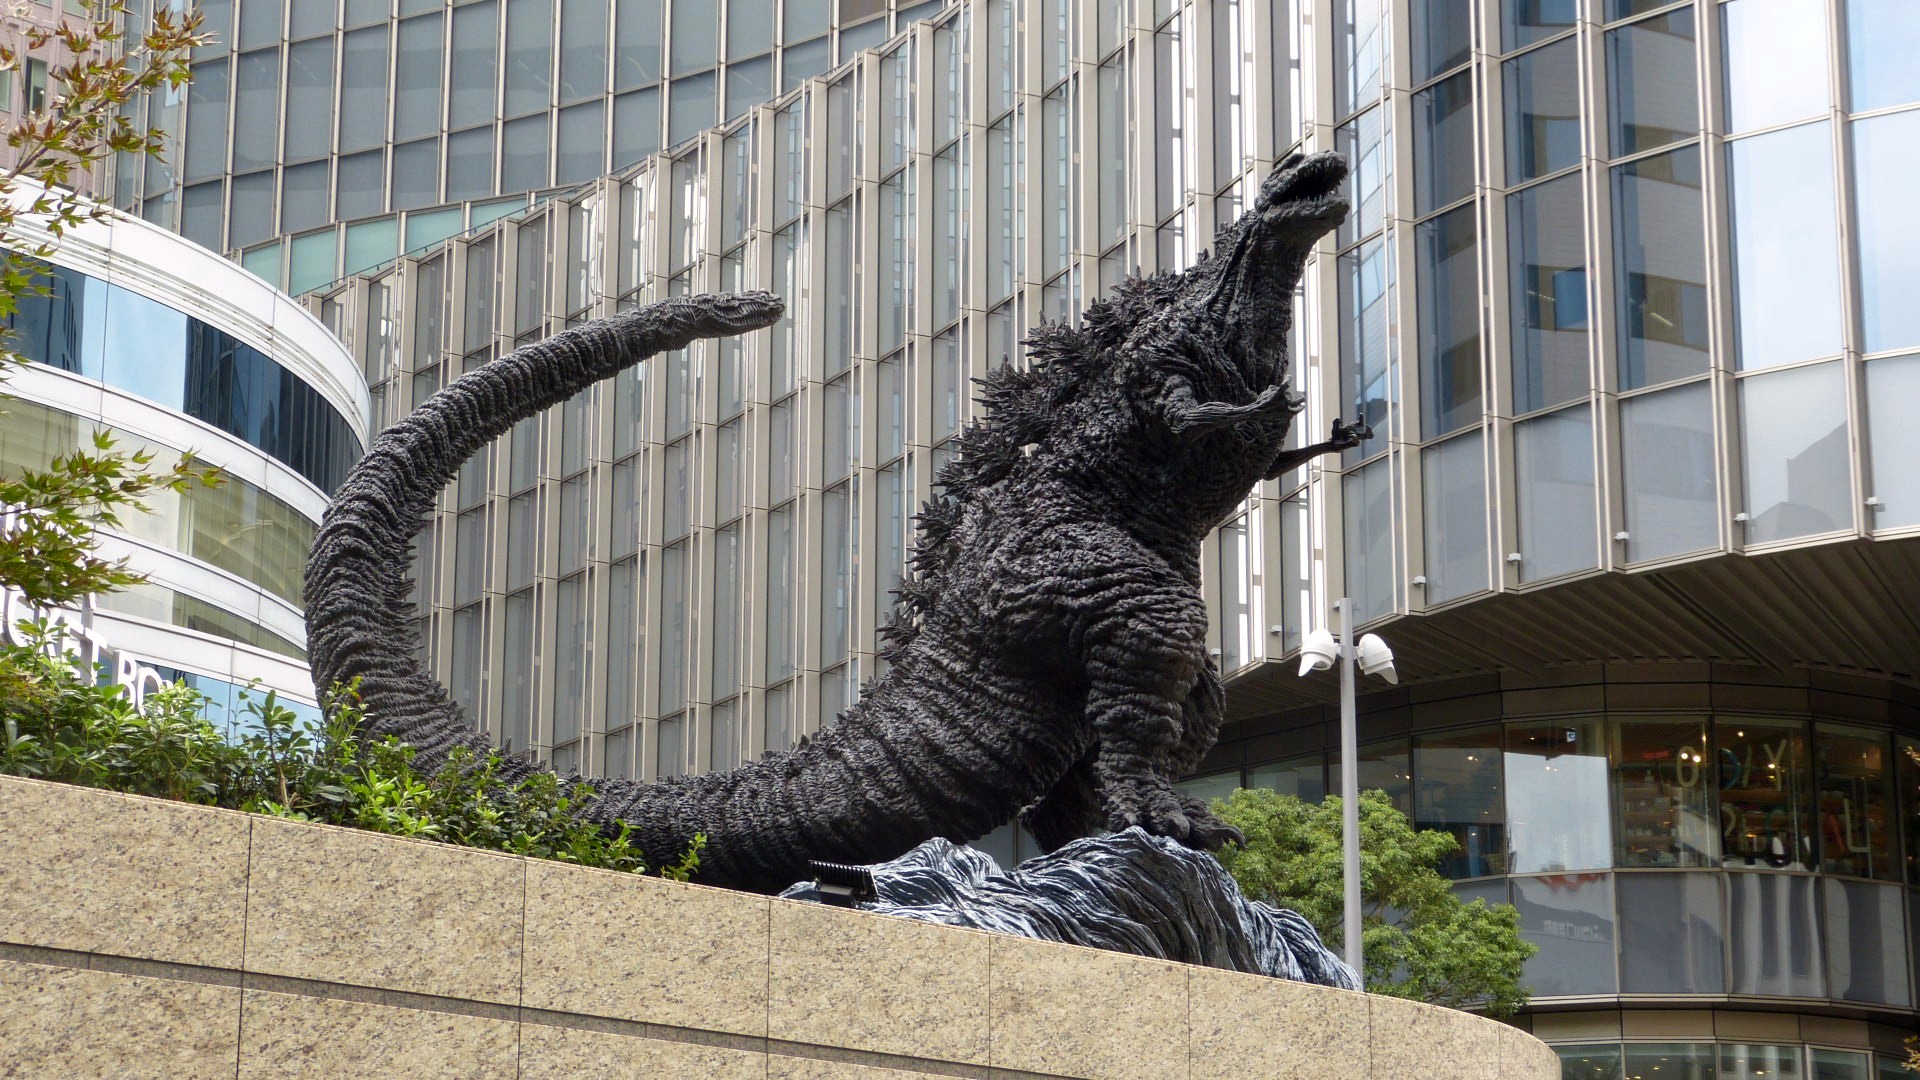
1158 809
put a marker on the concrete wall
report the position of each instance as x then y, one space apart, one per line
151 939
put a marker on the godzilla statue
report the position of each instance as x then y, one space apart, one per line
1048 657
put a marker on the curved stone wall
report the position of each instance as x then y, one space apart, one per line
147 938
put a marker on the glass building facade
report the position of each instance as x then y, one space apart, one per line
328 136
176 353
1621 296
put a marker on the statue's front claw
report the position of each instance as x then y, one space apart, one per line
1164 812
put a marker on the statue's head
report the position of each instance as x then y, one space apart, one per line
1248 283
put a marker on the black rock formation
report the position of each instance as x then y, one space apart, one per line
1129 892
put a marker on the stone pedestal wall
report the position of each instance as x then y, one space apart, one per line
144 938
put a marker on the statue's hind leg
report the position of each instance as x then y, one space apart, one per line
1071 810
1145 658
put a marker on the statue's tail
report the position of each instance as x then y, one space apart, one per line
847 796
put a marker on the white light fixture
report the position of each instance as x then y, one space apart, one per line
1376 658
1318 651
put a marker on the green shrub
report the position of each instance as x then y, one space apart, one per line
57 725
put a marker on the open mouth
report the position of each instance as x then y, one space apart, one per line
1313 179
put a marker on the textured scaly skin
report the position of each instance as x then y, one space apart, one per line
1049 652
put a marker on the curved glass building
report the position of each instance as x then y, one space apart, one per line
177 352
1623 295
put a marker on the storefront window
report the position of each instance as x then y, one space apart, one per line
1670 1061
1383 767
1867 948
1570 916
1773 935
1839 1065
1764 795
1855 803
1682 951
1739 1061
1594 1062
1908 751
1457 790
1303 777
1556 775
1663 813
1209 788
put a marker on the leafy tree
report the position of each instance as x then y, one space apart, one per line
1420 940
1913 1053
96 68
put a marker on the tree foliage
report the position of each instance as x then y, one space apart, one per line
1420 940
99 67
57 724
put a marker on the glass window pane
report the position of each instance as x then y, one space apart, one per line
1857 820
1883 53
1456 789
1443 143
1839 1065
476 54
1793 427
529 73
1907 752
1667 447
1455 492
1747 1062
470 163
251 219
524 153
1366 369
691 108
1651 92
303 197
1367 498
749 27
1304 778
363 88
1776 61
1442 36
1893 384
1358 32
636 43
1547 268
1590 1062
805 18
1570 916
1543 111
1383 767
1663 808
1661 269
145 347
1680 952
310 98
256 109
1886 158
582 143
671 677
1553 481
1786 281
1557 810
636 126
583 50
1765 794
779 598
696 37
1773 935
416 92
361 185
416 175
804 61
206 153
1867 946
748 84
1366 146
1449 330
1524 22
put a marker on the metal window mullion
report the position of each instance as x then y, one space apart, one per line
1721 363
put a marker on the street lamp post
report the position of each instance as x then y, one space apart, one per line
1371 655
